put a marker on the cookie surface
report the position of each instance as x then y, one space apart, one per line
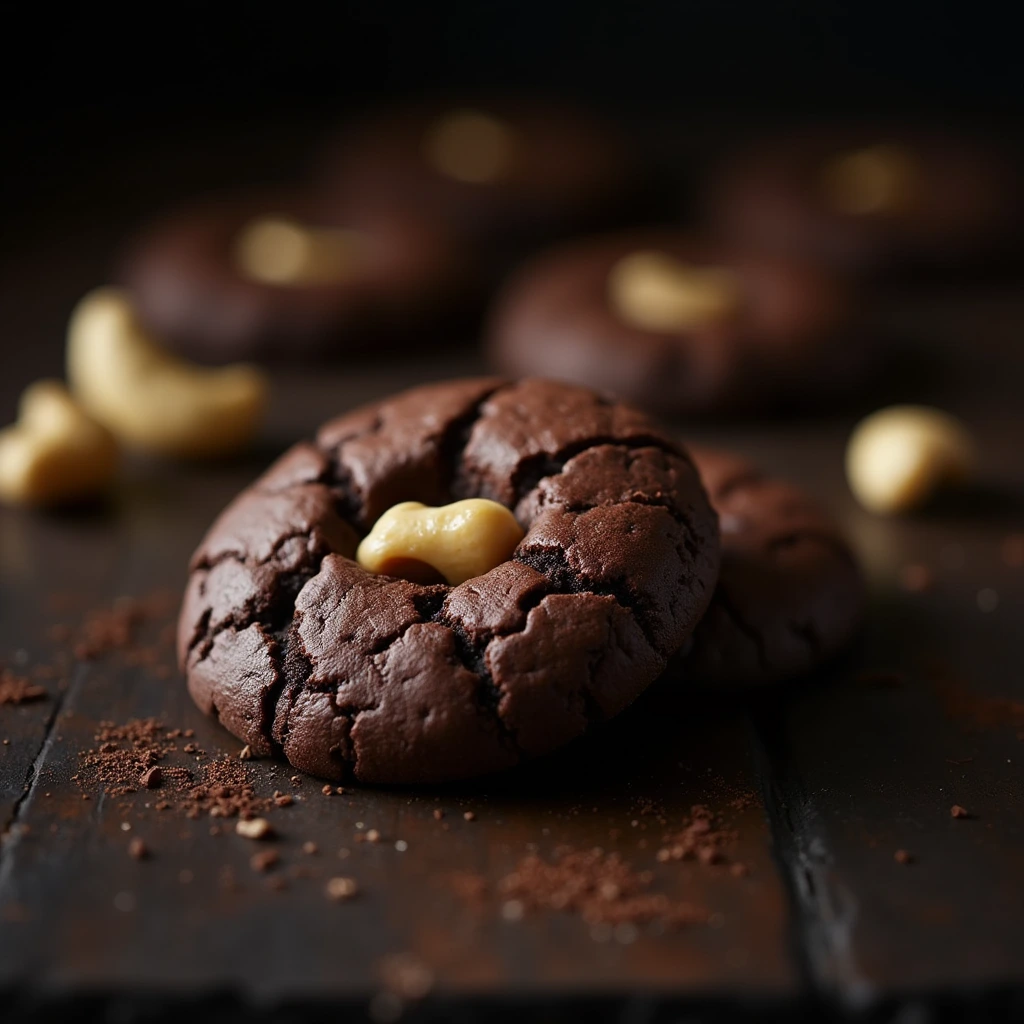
386 272
789 596
870 199
300 651
784 337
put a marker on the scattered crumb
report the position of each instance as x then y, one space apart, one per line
469 816
903 857
956 811
265 860
310 848
438 814
340 888
599 887
327 790
373 836
254 828
18 690
138 849
152 777
245 754
406 976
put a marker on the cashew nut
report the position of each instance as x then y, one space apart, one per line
149 398
458 541
899 457
55 453
877 179
470 146
275 250
654 291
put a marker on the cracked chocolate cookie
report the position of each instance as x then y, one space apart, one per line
299 651
506 174
790 594
268 275
679 325
874 200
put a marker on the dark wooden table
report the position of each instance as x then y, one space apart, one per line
843 770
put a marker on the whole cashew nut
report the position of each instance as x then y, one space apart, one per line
149 398
899 457
656 292
55 454
458 541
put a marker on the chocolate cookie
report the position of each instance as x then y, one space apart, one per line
789 596
298 650
679 325
871 200
269 275
505 173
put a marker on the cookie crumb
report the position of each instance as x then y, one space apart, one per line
327 791
18 690
152 777
469 816
956 811
406 975
264 860
341 888
283 799
137 849
438 814
254 828
373 836
340 790
245 754
903 857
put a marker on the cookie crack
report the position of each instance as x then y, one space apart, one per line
553 564
530 471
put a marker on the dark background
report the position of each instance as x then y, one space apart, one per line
81 85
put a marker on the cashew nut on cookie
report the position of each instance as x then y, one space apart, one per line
458 541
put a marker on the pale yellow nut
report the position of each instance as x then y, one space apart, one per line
280 251
654 291
470 146
900 457
55 454
149 398
876 179
458 541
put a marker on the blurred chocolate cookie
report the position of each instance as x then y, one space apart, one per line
504 173
870 200
300 650
680 325
790 595
271 275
